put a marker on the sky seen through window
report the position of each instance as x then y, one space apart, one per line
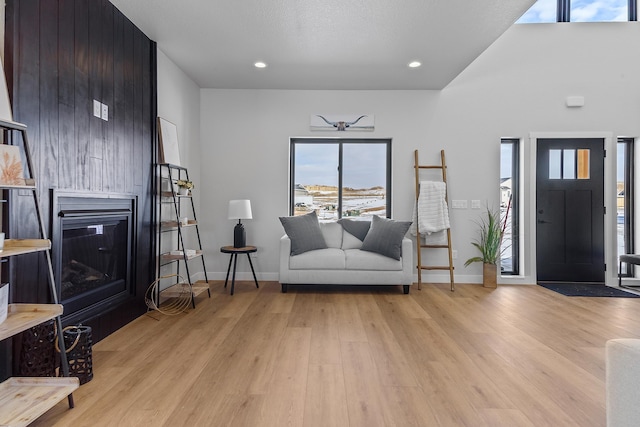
581 11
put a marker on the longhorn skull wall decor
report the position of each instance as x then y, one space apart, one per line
342 122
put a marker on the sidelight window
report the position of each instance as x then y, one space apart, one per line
624 200
509 205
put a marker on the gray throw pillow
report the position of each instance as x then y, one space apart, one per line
358 229
385 237
304 232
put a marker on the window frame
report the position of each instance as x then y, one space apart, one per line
515 206
563 11
340 142
629 202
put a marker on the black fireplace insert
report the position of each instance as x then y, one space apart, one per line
92 248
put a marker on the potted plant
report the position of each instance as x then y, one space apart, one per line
184 187
489 242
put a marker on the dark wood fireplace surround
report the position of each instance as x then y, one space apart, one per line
60 56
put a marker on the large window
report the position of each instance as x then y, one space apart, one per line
580 11
340 178
624 204
509 206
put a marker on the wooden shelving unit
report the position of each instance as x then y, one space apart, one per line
21 317
22 400
30 184
178 290
24 246
171 207
172 225
167 257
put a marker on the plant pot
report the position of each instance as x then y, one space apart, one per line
489 275
183 191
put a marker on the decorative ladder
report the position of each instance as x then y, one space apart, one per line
419 246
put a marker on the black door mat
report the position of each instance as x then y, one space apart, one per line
587 290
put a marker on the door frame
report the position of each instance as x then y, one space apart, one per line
609 199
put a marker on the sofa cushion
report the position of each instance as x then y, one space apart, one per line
321 259
385 237
363 260
358 229
304 232
349 241
332 233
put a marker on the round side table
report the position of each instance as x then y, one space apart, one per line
234 258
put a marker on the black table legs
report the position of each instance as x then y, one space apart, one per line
234 260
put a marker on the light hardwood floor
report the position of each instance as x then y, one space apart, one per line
358 356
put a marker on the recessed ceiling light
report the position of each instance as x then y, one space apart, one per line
260 64
414 64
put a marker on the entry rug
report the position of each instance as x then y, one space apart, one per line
587 290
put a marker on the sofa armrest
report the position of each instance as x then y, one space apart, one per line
407 261
622 378
285 253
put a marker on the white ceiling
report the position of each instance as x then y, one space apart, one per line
328 44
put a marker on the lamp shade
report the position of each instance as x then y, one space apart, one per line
240 209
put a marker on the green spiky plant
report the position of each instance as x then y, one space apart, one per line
490 239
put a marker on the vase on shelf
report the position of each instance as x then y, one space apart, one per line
183 191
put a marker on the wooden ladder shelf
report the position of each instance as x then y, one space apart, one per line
22 399
419 245
170 225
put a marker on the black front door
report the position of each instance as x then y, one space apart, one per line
570 210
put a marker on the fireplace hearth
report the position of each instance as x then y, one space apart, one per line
92 249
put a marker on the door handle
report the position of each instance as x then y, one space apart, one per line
542 221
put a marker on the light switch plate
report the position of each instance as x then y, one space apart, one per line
459 204
475 204
97 108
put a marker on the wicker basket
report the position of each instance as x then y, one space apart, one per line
78 342
37 353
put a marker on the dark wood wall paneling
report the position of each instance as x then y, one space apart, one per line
60 55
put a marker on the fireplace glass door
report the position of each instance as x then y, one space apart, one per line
94 259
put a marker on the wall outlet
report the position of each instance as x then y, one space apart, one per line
454 254
97 108
105 112
475 204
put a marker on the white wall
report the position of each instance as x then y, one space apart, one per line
519 86
516 87
179 103
246 144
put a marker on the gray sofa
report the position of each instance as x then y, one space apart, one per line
622 358
343 262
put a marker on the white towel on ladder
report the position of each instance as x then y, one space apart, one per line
431 212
